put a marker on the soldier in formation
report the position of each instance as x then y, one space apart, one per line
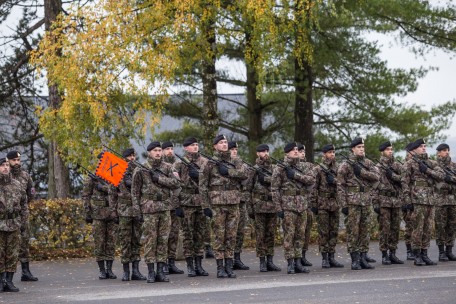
407 216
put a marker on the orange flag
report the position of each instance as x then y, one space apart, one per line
111 168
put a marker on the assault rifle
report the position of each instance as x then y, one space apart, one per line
217 162
93 176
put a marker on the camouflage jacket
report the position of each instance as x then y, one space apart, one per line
389 191
150 197
292 195
190 195
326 194
352 190
418 187
26 181
221 190
261 199
95 197
13 203
121 196
246 193
444 193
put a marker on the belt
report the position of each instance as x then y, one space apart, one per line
295 192
223 188
263 197
327 194
190 191
443 191
104 202
422 184
388 193
157 197
11 215
358 189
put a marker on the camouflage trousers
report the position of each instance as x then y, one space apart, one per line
294 228
194 227
243 218
208 232
173 235
24 248
129 239
422 218
328 229
357 226
156 229
9 250
265 228
226 218
407 217
445 225
389 221
309 224
104 239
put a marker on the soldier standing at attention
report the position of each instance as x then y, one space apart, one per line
407 215
289 183
153 193
245 198
14 159
13 200
445 210
420 176
170 267
130 225
326 206
219 186
388 206
355 179
102 213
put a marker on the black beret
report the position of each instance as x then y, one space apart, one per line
262 148
100 155
232 144
153 145
3 160
385 145
290 146
167 144
327 148
443 147
356 141
218 138
417 143
127 152
13 155
407 148
189 140
301 147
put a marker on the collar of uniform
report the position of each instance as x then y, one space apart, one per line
5 179
328 162
169 159
386 160
193 157
444 160
263 163
154 162
291 161
226 156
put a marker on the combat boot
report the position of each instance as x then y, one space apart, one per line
151 273
270 264
101 266
109 273
442 254
161 276
410 256
26 274
449 253
263 267
426 259
172 267
190 267
221 273
385 258
229 268
136 275
363 262
2 281
126 272
9 286
208 252
393 258
199 270
369 259
291 266
333 262
325 260
418 260
299 268
355 261
165 268
238 265
304 261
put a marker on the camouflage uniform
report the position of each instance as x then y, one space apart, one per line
407 217
310 216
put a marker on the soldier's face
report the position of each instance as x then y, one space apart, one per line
156 153
234 152
293 153
168 151
302 154
263 155
421 149
15 162
358 150
5 168
193 148
221 146
388 152
330 155
443 153
131 157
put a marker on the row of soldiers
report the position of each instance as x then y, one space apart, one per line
155 198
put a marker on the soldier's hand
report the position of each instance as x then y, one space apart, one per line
423 167
290 172
357 170
314 210
208 212
100 188
128 182
89 220
179 212
252 215
345 211
404 208
193 173
377 210
154 176
22 229
389 173
261 178
330 179
223 170
281 214
410 207
116 220
448 179
139 219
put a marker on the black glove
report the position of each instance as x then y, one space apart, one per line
330 179
448 179
179 212
404 208
281 214
423 167
193 173
154 176
116 220
223 170
89 220
314 210
261 178
345 211
128 182
208 212
290 172
139 219
410 207
389 173
377 210
357 170
100 188
252 215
